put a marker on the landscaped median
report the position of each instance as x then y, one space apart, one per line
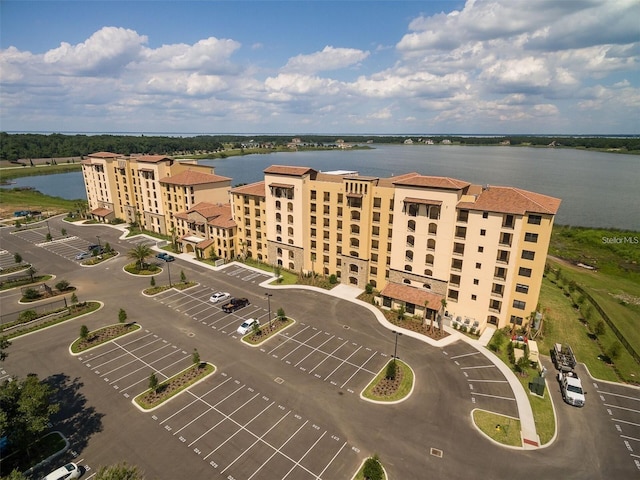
500 428
159 393
393 384
95 338
261 334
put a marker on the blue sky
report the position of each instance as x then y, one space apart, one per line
402 67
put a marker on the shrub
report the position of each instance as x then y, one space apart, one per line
368 289
122 316
31 294
391 370
84 332
153 382
281 314
183 277
599 328
372 469
27 316
17 258
613 352
153 281
195 357
333 279
62 285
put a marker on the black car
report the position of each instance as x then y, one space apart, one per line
235 304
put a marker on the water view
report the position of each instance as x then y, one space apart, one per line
597 189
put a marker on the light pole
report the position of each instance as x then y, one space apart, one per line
269 295
395 349
48 229
99 244
169 271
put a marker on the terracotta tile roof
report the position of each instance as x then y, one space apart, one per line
151 158
215 215
101 212
425 181
512 200
256 189
206 243
414 295
288 170
190 177
104 155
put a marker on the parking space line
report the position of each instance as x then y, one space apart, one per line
150 365
135 359
621 408
617 420
466 355
486 381
213 407
287 337
331 461
478 366
194 401
341 363
305 454
314 349
154 369
238 431
618 395
493 396
123 345
331 354
360 368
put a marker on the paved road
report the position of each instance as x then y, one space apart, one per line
291 408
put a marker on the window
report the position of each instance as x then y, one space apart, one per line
453 295
508 221
524 272
355 229
476 281
410 241
411 225
531 237
408 255
485 214
495 305
502 257
463 215
534 219
528 254
516 320
376 217
429 260
408 268
497 289
522 288
377 201
458 248
355 215
431 244
505 239
480 249
478 265
290 219
483 232
327 196
454 279
473 297
519 304
313 194
456 264
433 229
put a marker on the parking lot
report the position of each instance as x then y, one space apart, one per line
64 246
624 411
238 431
327 356
488 388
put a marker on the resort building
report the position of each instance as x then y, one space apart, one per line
437 247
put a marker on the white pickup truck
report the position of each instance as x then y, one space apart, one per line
571 388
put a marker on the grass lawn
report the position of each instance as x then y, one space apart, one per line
149 269
505 430
563 323
28 171
401 393
33 200
161 288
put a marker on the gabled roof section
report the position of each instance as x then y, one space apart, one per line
413 295
291 171
512 200
256 189
424 181
191 177
104 155
217 215
152 158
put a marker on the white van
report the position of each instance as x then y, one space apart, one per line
69 471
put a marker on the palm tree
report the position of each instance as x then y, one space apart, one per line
140 253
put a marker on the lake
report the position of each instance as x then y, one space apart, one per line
597 189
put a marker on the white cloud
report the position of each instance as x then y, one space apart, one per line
329 58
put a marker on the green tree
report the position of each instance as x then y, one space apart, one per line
31 294
183 277
153 382
195 357
17 258
15 475
401 312
497 341
84 332
392 369
140 253
599 329
62 285
613 352
122 316
74 300
63 231
372 470
121 471
4 344
31 271
107 247
49 237
281 314
27 406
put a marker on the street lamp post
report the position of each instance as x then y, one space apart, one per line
48 229
99 244
269 295
395 349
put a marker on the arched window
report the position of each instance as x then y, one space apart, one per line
353 280
427 286
355 215
410 241
408 268
290 242
290 231
429 259
354 242
431 244
411 225
433 228
290 207
278 239
278 229
428 272
291 266
290 219
409 255
406 281
355 229
373 283
353 268
279 252
278 205
353 253
278 217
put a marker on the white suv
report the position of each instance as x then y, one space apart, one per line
69 471
247 326
219 296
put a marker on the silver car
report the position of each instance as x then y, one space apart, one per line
219 296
